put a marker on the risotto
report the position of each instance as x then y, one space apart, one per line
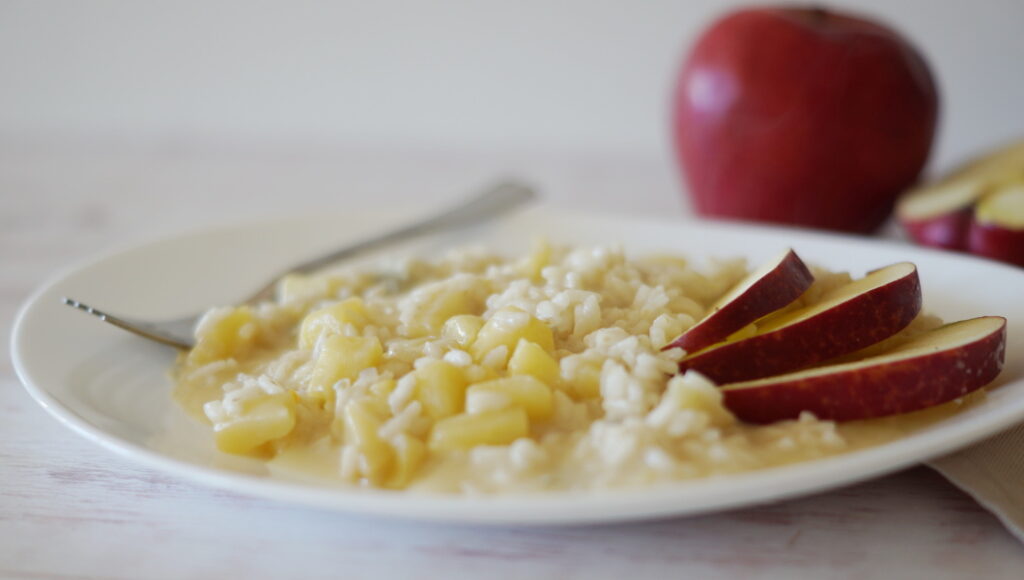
476 373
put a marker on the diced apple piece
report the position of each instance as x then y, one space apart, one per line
330 320
223 333
362 424
344 357
383 388
505 328
844 320
524 391
294 287
534 262
482 401
434 308
440 388
588 382
370 406
462 329
409 455
774 285
531 359
997 230
460 432
933 368
261 419
480 373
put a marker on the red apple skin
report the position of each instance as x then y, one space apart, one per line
849 326
878 390
775 290
949 231
996 242
802 117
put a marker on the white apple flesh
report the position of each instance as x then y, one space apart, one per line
933 368
771 287
847 319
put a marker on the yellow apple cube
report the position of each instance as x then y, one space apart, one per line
522 391
462 329
431 316
440 388
304 287
319 395
704 398
370 413
344 357
585 382
331 319
464 431
223 333
530 359
536 260
409 454
383 388
506 328
362 423
261 420
480 373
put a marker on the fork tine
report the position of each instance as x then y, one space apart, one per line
84 307
145 329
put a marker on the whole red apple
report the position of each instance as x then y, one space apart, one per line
802 116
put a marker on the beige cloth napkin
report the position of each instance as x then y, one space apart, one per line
992 472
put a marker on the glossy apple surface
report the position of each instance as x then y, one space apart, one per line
933 368
802 116
847 319
774 285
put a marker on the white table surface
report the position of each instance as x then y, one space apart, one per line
69 509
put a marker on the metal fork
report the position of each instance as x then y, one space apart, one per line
491 203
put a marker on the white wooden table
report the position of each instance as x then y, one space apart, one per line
69 509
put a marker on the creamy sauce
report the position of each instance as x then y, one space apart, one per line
587 403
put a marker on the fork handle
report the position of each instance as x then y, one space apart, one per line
493 202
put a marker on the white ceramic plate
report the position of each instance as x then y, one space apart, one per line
113 388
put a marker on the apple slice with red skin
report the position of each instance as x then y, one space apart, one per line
933 368
847 319
939 214
997 230
771 287
948 231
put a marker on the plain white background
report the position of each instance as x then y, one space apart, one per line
580 76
